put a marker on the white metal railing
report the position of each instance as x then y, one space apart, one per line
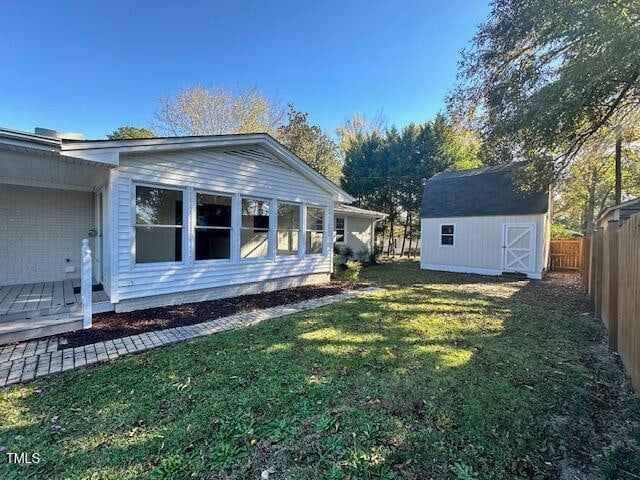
86 283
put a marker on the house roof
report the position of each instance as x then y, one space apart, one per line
480 192
108 151
628 208
360 212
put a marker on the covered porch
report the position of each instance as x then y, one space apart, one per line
49 203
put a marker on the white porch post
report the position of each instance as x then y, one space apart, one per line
86 284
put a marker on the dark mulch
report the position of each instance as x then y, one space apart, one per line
107 326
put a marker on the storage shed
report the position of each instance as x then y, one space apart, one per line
478 221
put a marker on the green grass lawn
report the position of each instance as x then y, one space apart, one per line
440 376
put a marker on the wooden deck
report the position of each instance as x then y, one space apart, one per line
33 310
49 297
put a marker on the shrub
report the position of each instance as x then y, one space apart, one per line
363 255
352 273
377 251
347 252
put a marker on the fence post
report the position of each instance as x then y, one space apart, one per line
586 258
593 252
612 234
86 284
598 275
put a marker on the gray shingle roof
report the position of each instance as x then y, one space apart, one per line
479 192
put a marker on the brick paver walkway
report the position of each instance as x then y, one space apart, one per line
22 362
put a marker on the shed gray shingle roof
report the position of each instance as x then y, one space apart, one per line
479 192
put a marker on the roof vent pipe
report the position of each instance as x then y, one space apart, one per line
46 132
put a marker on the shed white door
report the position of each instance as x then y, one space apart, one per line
518 247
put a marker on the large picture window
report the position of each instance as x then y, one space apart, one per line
315 230
213 227
158 225
288 232
254 233
340 234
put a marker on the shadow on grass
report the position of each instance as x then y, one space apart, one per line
433 378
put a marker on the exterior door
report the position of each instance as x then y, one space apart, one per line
98 239
518 247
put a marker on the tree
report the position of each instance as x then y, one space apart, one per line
128 131
359 126
311 144
543 77
387 171
588 186
199 110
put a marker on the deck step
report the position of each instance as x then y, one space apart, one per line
28 329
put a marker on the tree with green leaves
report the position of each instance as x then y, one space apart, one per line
128 131
387 171
543 77
311 144
587 187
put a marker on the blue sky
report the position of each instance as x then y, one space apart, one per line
94 66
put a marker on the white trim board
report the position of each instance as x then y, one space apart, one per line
475 270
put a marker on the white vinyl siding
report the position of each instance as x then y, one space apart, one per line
358 233
478 241
247 174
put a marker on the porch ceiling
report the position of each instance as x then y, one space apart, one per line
31 167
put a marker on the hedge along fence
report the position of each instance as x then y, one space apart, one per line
612 278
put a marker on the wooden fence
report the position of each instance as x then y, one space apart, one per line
566 253
612 279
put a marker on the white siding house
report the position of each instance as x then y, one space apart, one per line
355 228
169 220
477 221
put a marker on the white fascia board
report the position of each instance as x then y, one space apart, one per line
98 156
346 213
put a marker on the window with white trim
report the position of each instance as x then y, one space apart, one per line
315 230
447 233
254 231
340 233
288 229
158 224
213 227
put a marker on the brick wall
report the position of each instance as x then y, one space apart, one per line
39 229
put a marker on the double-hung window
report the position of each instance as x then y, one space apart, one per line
213 227
288 230
158 225
254 232
340 233
315 230
447 235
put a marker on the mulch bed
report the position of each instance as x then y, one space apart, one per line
111 325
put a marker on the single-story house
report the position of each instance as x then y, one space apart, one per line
355 228
168 221
478 221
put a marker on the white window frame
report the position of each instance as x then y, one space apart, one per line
194 227
184 227
300 231
323 252
453 235
270 231
335 230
